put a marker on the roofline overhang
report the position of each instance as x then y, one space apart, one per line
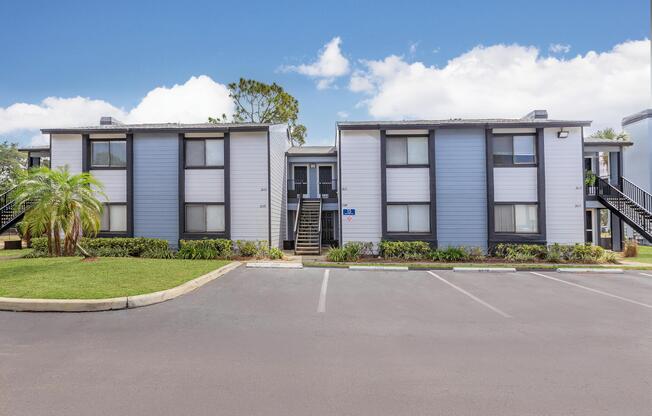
92 130
613 143
435 125
641 115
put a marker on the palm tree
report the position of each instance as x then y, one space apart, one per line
609 134
60 205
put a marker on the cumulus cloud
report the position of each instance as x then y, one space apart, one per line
559 48
191 102
329 65
509 81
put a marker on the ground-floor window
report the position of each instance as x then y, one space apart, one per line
408 218
516 218
204 218
114 218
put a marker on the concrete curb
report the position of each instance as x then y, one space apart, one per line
485 269
272 265
588 270
125 302
389 268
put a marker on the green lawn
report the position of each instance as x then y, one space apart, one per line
73 278
644 255
14 253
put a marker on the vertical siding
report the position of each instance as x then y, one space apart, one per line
408 184
515 184
360 185
461 188
115 184
564 187
156 186
278 145
66 150
249 205
204 185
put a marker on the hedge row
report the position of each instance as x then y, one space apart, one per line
157 248
422 251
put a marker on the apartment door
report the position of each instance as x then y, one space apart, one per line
300 175
325 179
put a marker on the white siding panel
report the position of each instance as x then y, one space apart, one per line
66 150
249 210
515 184
204 185
408 184
564 187
278 145
115 184
360 185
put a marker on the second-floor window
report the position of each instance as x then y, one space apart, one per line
514 150
108 154
401 150
201 153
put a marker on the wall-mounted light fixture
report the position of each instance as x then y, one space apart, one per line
562 134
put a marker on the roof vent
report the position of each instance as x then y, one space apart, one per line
536 115
109 121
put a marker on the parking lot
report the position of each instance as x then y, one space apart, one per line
341 342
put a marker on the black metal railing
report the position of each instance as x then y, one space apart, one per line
297 187
636 194
10 212
626 208
326 189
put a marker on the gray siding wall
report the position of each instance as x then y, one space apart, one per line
278 145
461 188
156 186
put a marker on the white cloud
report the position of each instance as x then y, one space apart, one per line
559 48
509 81
329 65
192 102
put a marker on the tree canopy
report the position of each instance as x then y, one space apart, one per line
257 102
11 162
609 134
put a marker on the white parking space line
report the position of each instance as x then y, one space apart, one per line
321 308
646 274
475 298
600 292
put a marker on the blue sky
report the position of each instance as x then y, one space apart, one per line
118 51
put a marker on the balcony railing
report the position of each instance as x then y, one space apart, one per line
297 188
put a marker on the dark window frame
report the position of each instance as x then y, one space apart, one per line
204 232
108 205
513 205
203 140
407 204
109 166
389 137
513 164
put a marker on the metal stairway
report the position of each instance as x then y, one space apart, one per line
307 227
629 203
10 213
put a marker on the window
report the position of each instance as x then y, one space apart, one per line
514 150
204 218
205 153
408 218
406 150
517 218
114 218
108 154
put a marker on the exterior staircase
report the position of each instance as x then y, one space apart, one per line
10 213
307 227
628 202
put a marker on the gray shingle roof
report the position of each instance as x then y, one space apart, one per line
455 122
312 150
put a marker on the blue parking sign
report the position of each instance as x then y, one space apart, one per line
348 211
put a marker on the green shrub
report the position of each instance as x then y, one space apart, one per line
158 253
587 253
609 257
275 253
109 247
247 248
449 254
351 251
521 252
205 249
476 253
409 250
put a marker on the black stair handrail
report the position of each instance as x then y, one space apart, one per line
4 198
296 222
636 194
628 209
